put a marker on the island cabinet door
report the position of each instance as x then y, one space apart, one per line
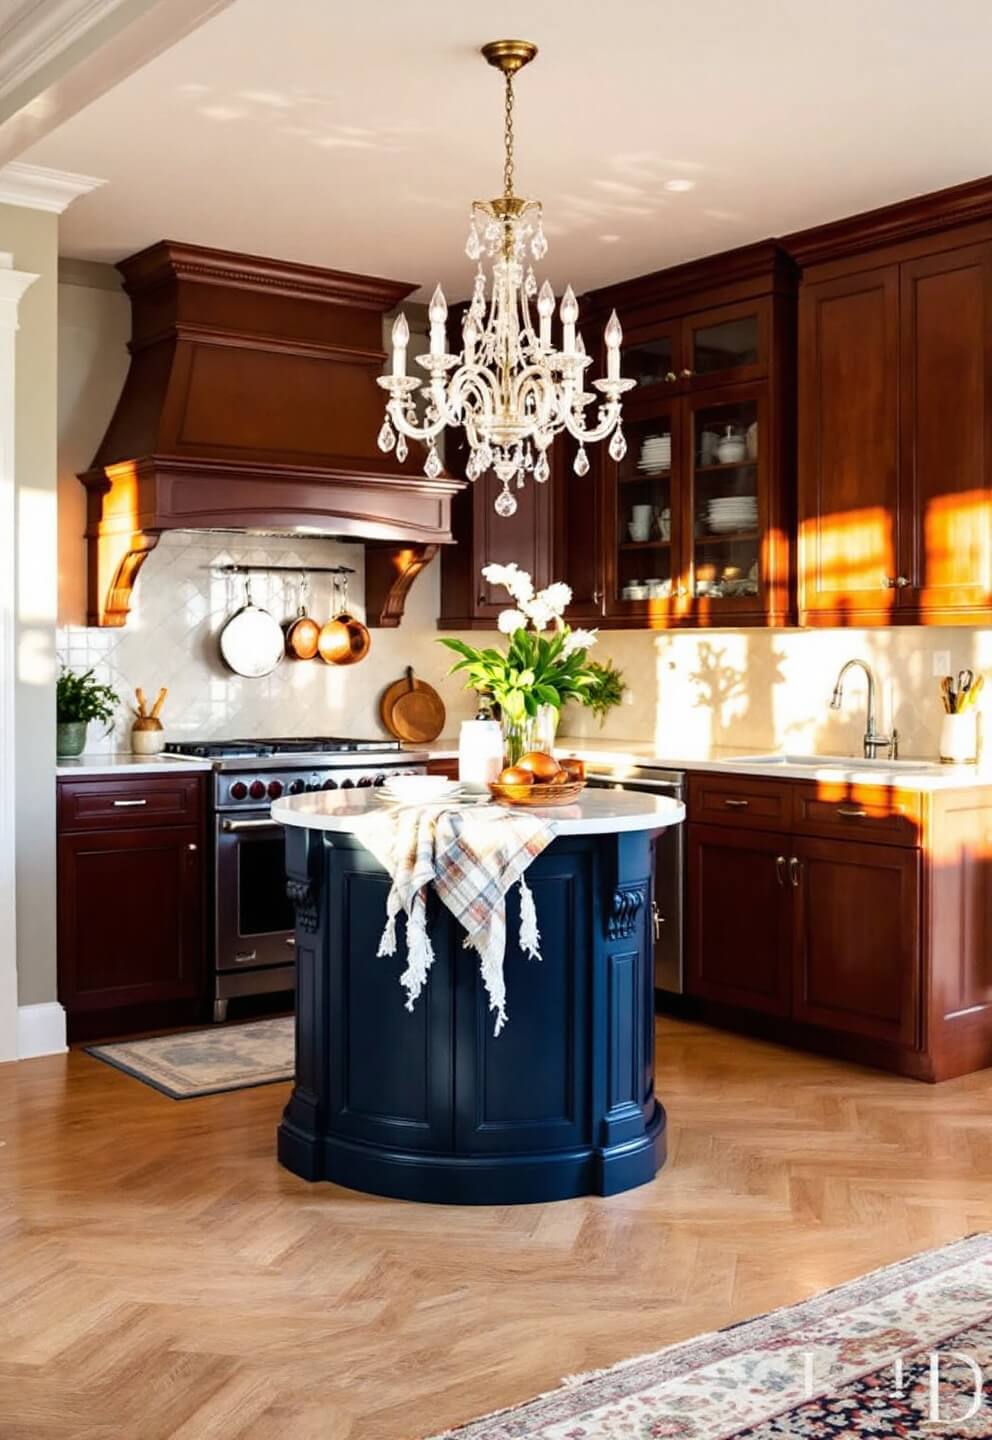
389 1079
527 1088
740 917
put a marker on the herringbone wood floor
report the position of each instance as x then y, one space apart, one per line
161 1276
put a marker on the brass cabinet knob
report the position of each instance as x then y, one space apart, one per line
894 582
685 374
192 848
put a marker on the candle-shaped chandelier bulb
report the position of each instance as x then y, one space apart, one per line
511 388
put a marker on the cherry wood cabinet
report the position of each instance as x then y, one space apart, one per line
739 932
857 938
685 536
484 538
895 409
853 920
131 903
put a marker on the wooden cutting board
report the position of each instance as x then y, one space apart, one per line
412 711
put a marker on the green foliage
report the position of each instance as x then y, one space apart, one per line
80 697
606 690
534 671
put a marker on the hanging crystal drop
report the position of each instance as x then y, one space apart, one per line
386 439
581 462
473 245
485 455
505 504
472 467
402 449
530 284
539 244
542 469
618 445
432 465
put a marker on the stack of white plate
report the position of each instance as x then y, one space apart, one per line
732 512
418 789
656 454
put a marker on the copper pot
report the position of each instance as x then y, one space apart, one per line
343 640
303 635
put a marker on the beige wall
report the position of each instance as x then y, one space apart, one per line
32 237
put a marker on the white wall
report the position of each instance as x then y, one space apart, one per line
32 237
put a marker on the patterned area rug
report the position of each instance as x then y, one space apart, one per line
205 1062
900 1353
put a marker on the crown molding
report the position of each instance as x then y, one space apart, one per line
39 31
38 188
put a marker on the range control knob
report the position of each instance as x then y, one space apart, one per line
379 780
296 787
256 790
330 785
239 790
274 789
364 782
347 784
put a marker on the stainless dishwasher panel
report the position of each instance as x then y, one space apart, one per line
669 872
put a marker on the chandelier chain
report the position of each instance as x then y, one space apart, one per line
508 139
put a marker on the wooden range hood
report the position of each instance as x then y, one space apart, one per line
251 405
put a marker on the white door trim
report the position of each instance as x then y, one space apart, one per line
13 284
40 1030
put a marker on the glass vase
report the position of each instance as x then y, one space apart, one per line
546 728
518 737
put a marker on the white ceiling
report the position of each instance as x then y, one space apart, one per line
354 135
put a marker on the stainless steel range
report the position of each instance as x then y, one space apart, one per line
253 919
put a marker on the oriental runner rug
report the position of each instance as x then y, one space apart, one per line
208 1061
904 1352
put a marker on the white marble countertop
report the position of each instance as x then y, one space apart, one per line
595 812
620 757
122 765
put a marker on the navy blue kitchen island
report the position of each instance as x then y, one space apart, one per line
429 1105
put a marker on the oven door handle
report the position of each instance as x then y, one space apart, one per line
231 827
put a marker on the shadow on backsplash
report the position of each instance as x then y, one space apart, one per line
770 690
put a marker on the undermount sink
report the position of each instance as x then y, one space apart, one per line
836 762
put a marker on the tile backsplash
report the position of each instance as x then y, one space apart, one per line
171 638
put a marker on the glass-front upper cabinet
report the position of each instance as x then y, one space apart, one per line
726 345
727 502
655 360
644 573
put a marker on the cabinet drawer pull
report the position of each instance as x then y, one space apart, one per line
670 376
125 804
780 869
852 814
894 582
685 374
737 804
794 871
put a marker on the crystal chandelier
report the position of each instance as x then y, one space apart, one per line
511 388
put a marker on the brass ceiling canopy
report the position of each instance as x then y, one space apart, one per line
509 55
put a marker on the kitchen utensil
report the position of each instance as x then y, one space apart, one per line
974 690
389 698
418 714
947 694
251 642
528 795
159 702
966 678
303 635
343 640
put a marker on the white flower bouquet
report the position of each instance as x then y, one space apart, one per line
545 662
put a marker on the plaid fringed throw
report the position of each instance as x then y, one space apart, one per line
472 855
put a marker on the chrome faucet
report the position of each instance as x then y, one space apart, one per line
873 742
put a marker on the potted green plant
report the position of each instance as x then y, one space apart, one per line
545 662
78 700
